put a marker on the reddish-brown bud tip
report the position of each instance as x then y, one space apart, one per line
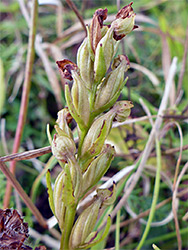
96 26
126 11
65 67
101 16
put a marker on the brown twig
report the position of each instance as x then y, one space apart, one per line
177 117
23 194
74 8
25 95
163 152
26 155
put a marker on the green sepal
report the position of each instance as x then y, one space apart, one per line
60 131
72 109
112 101
95 130
92 55
98 168
85 62
94 149
76 177
68 192
50 191
93 236
80 97
101 69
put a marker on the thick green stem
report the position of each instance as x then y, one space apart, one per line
69 220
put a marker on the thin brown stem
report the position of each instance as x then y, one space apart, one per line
23 195
170 151
74 8
25 95
26 155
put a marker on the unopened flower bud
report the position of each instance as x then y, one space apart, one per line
124 22
95 28
63 195
79 92
96 135
112 85
85 63
63 147
59 205
64 118
98 167
84 225
123 110
80 97
103 55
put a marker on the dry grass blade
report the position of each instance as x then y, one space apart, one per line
166 59
49 241
147 72
3 138
145 108
49 71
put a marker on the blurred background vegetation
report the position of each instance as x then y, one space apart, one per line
160 37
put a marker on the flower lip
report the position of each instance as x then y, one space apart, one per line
65 67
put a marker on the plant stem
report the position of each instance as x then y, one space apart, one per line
25 95
155 195
69 220
117 230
